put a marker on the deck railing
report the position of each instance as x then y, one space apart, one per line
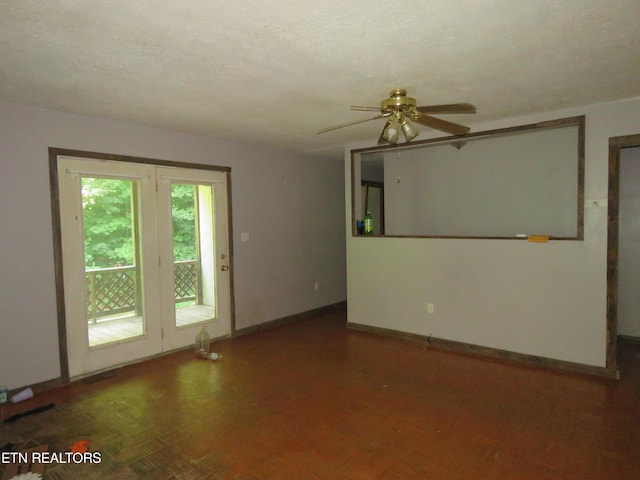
116 290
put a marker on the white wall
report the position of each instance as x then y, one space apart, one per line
291 205
539 299
629 244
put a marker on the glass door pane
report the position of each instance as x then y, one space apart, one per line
111 231
193 253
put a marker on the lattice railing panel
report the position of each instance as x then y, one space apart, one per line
111 291
186 280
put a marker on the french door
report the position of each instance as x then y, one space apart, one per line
145 259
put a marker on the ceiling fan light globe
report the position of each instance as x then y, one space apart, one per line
408 130
392 132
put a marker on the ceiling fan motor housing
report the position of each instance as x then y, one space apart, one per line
398 102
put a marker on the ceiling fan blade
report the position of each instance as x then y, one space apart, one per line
348 124
381 139
450 108
365 108
443 125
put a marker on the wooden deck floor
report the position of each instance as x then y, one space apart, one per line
130 327
312 400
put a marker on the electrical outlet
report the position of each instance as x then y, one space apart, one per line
429 307
317 286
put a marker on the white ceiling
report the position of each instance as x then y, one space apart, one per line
275 71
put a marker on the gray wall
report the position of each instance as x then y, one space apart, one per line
493 187
291 205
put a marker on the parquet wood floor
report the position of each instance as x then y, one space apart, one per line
313 400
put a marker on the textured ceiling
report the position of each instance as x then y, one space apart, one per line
276 71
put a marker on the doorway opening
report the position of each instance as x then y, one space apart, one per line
616 145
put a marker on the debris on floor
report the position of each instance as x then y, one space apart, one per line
33 411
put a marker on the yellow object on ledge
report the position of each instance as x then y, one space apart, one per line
539 238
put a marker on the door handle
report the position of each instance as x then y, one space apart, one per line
224 268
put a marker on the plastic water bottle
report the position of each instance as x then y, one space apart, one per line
202 343
4 394
368 224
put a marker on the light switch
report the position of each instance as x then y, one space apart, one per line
244 236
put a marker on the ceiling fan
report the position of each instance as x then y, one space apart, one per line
400 110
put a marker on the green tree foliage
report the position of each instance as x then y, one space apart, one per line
107 209
107 219
184 222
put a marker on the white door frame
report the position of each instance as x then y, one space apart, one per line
84 359
62 290
175 337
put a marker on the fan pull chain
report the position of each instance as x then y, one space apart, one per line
398 161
